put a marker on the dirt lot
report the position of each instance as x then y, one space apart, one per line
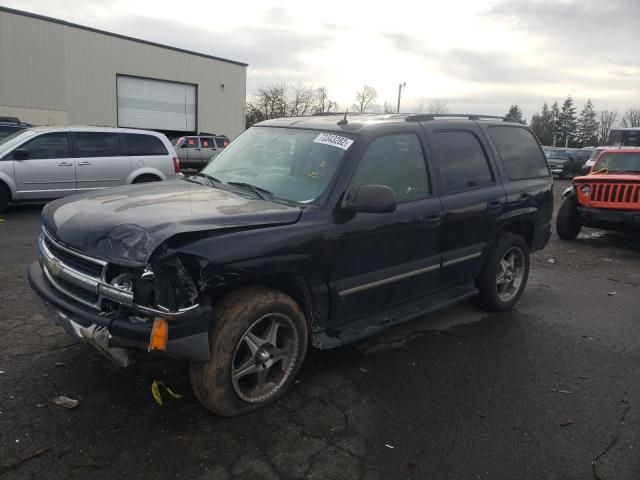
550 390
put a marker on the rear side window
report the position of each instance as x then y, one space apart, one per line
138 145
222 142
49 145
207 142
519 152
96 144
192 142
462 161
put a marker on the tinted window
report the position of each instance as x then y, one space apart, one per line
192 142
207 142
144 145
463 163
396 161
49 145
521 154
94 144
222 142
5 131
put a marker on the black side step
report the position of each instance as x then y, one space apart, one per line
343 335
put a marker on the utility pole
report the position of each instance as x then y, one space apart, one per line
400 87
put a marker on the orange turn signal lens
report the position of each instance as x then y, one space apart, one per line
159 335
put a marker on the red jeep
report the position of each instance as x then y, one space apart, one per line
607 198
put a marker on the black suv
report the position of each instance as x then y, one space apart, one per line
316 230
11 125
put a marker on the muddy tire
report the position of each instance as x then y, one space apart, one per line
258 344
4 197
505 274
568 224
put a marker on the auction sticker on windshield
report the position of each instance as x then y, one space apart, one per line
334 140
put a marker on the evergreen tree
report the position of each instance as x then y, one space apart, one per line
567 122
587 130
555 124
537 127
514 114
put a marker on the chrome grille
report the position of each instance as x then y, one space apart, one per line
72 273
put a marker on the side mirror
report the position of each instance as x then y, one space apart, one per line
372 199
20 154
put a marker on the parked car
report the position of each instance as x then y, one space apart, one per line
11 125
348 227
196 151
566 163
44 163
607 198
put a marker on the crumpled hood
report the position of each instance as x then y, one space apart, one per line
124 225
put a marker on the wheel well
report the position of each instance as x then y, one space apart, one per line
4 186
146 175
524 228
291 284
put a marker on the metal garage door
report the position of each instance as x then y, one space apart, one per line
156 104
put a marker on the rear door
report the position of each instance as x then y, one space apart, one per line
49 171
207 149
190 150
100 159
472 199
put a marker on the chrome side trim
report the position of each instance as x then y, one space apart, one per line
384 281
448 263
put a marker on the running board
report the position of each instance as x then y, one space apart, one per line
348 333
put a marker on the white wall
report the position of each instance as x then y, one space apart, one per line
56 74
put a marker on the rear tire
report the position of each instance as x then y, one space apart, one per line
4 198
568 223
505 273
252 363
146 179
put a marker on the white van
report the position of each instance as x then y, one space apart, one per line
43 163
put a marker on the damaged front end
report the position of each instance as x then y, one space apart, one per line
144 302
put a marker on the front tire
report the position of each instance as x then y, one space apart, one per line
505 273
258 344
568 224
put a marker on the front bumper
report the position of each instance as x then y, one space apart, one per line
609 219
188 339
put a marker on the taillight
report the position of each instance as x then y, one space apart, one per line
176 165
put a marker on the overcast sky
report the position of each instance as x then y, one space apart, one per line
478 55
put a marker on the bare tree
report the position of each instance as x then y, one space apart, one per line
269 101
302 101
323 103
631 118
420 108
606 121
437 106
365 98
388 108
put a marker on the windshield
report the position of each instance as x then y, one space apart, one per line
291 164
619 162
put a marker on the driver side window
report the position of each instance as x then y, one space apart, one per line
396 161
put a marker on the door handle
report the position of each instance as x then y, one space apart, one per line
65 164
197 149
432 218
494 205
84 163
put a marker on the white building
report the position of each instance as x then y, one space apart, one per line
54 72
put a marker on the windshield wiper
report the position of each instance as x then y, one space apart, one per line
260 192
212 180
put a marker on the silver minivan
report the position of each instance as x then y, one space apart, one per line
43 163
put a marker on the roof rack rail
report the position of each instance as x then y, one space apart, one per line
333 114
421 117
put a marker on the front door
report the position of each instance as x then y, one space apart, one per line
379 260
100 159
472 199
48 171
